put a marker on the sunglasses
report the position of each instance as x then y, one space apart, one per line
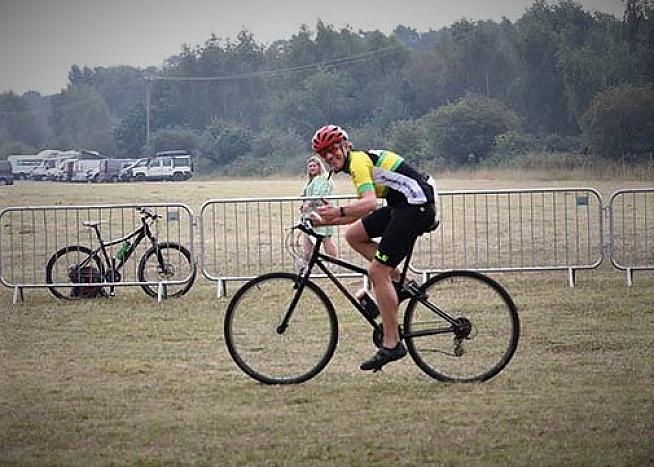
331 150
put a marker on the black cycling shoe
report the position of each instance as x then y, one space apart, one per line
384 356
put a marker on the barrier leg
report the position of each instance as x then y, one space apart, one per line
18 292
162 292
630 277
221 288
571 277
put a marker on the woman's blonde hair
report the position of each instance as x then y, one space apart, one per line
316 159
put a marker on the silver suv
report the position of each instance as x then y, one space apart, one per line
165 165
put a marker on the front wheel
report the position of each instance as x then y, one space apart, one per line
167 261
479 339
74 264
268 353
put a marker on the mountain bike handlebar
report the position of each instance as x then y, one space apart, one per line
147 214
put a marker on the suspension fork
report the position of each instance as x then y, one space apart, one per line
155 243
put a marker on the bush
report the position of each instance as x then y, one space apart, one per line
224 142
467 128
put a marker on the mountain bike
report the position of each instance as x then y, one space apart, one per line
77 272
281 327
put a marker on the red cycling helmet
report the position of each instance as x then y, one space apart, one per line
326 137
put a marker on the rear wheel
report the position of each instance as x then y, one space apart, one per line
63 266
479 342
268 353
167 262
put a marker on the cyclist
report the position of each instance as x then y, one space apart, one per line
409 212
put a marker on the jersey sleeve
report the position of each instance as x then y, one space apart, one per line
361 173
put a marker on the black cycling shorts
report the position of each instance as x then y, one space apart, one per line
398 227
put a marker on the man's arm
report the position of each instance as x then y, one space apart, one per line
341 215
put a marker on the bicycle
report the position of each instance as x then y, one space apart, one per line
281 328
77 268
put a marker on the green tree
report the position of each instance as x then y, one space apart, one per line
82 119
470 126
620 121
120 86
541 90
130 132
225 142
18 123
408 138
173 138
639 31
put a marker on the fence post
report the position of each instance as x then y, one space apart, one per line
18 293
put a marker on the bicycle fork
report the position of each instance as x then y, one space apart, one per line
303 277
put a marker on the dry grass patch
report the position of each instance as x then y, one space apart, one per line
126 381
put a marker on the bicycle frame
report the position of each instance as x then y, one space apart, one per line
318 258
138 234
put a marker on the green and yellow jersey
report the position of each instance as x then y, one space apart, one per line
390 176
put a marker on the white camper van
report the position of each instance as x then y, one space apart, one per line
23 164
49 167
79 166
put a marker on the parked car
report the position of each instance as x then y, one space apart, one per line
6 175
166 165
109 170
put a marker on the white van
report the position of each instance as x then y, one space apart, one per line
49 167
23 164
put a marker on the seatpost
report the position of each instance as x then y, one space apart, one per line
97 233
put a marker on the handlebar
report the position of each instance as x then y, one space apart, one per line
147 214
305 224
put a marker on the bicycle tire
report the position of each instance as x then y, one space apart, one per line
54 272
494 329
150 271
294 356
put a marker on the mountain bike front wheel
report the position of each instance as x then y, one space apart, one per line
481 337
167 261
268 353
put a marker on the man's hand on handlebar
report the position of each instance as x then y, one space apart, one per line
328 214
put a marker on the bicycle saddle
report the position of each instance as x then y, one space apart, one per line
91 224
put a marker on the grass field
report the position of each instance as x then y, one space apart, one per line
127 381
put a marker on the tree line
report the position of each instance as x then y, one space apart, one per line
557 80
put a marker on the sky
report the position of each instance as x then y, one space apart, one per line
41 39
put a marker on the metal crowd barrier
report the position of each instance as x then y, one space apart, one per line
492 231
242 238
631 245
515 230
29 236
